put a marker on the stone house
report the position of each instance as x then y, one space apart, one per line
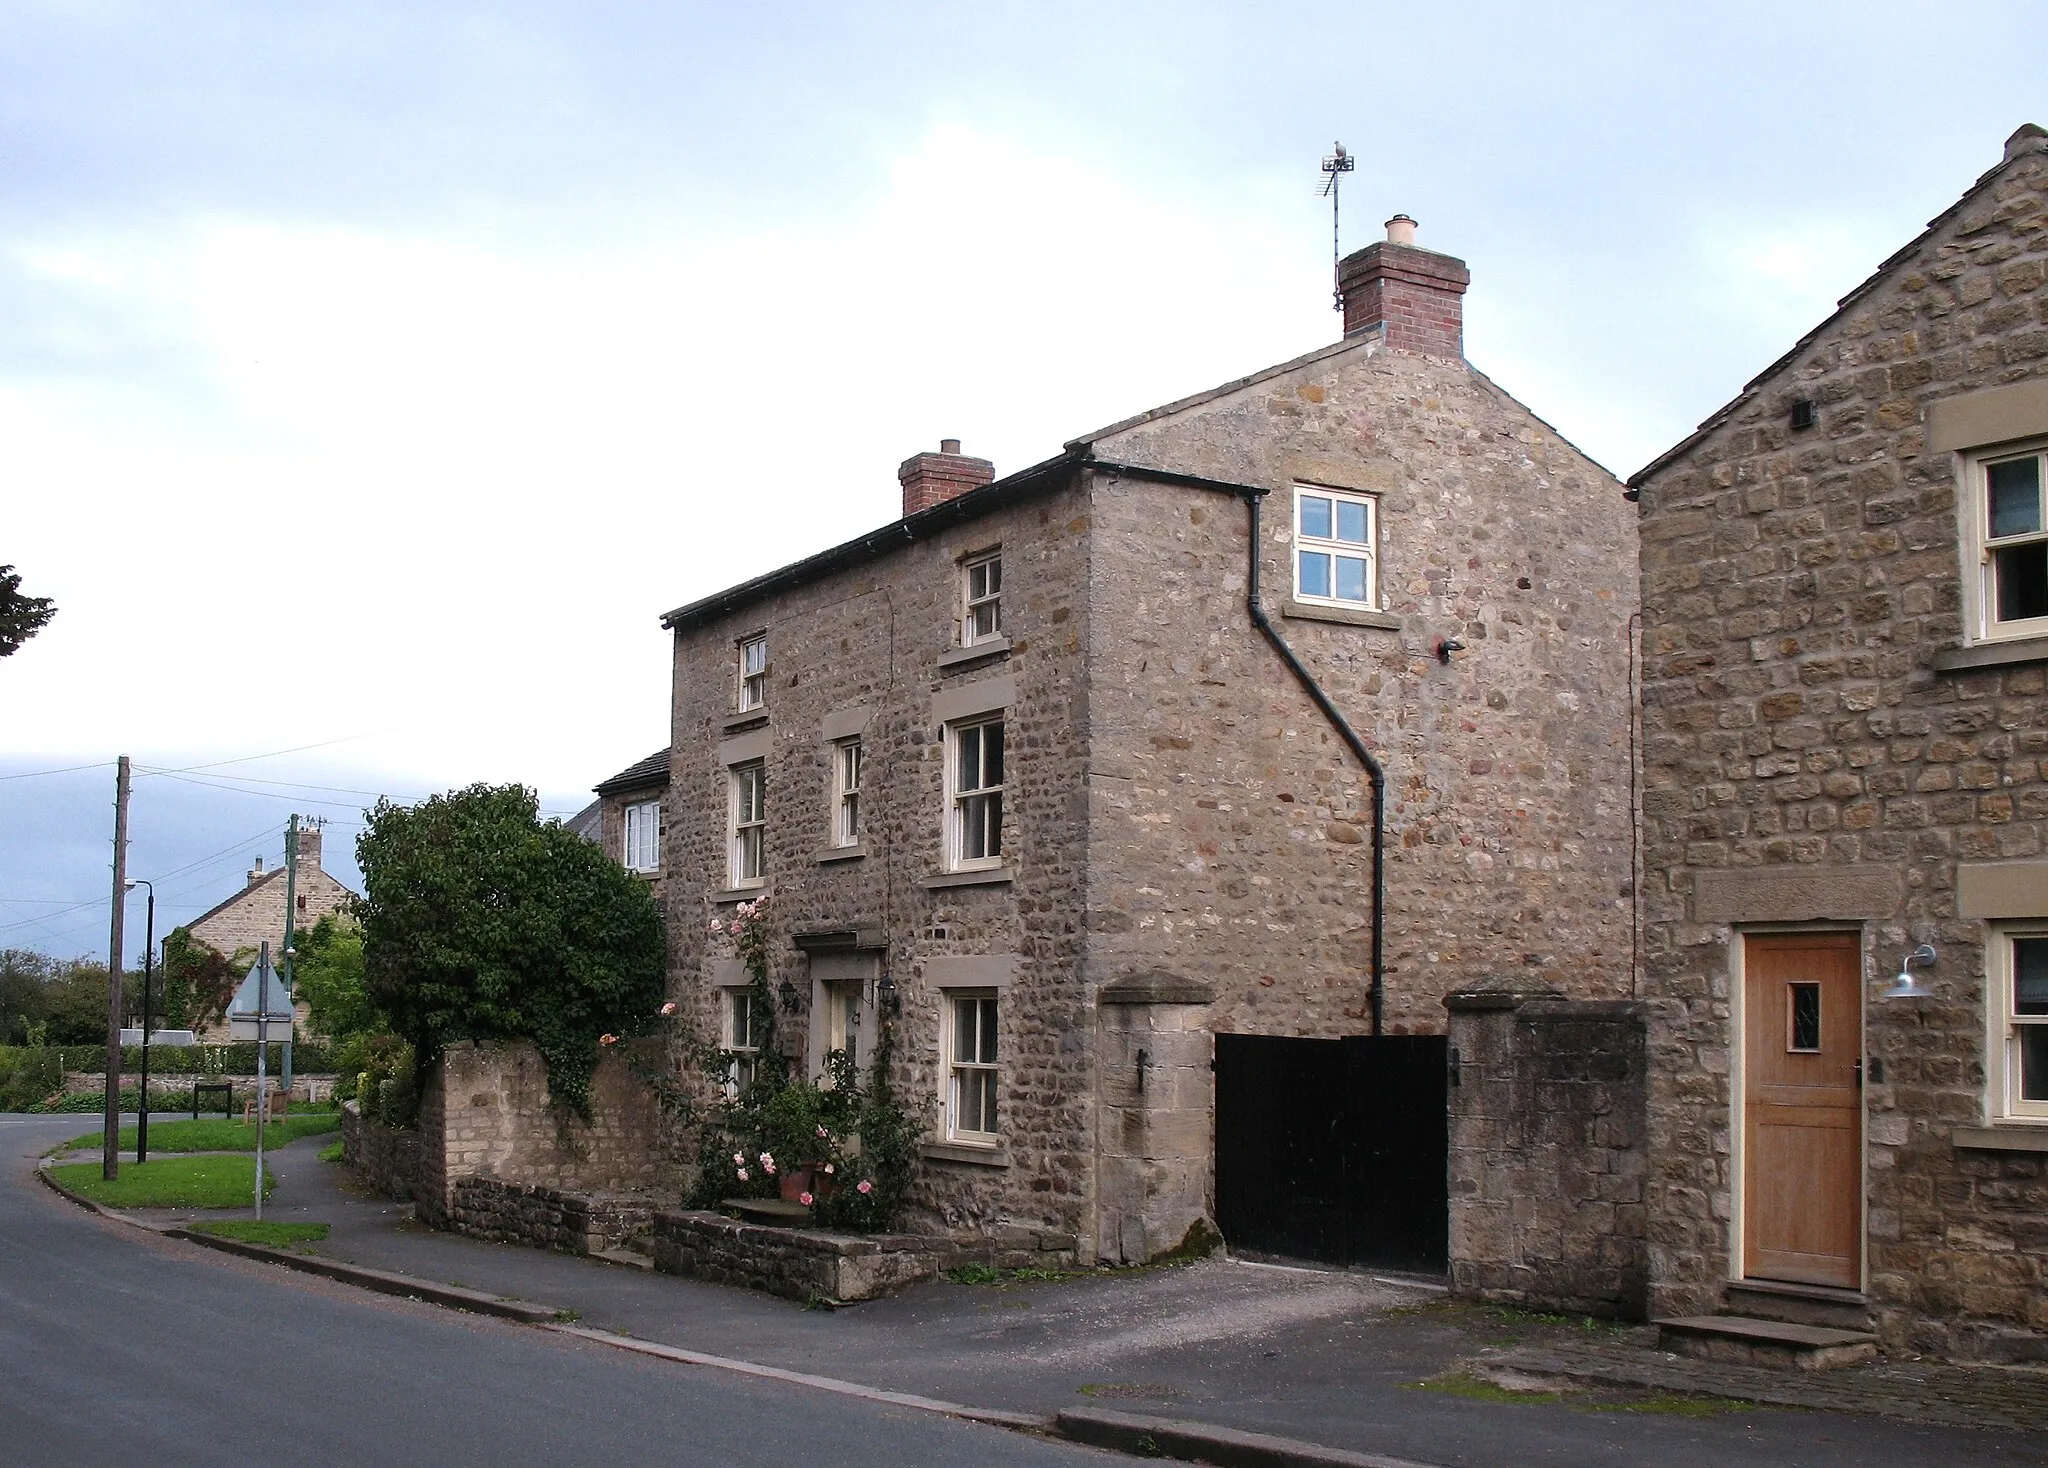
1081 775
626 817
256 915
1845 722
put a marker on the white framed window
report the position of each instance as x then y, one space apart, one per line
643 836
846 763
971 1075
974 794
1335 540
2005 543
741 1026
749 824
982 588
2016 1052
753 671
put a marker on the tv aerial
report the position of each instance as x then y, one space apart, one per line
1335 167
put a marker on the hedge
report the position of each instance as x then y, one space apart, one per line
309 1057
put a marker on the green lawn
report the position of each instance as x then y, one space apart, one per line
254 1231
174 1182
218 1136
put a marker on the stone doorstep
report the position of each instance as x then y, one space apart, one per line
1798 1304
1746 1339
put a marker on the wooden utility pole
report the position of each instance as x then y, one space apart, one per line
110 1144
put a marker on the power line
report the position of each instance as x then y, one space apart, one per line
238 790
279 784
67 770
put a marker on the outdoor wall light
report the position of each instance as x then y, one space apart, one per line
1445 646
885 994
1905 986
791 1002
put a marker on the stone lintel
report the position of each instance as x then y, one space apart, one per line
1155 986
1998 415
1791 894
2002 889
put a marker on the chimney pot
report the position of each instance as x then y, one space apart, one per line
2026 138
1400 230
931 479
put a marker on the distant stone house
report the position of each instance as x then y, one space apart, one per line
1070 774
256 915
1845 722
626 818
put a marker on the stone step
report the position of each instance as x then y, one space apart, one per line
626 1257
1748 1341
776 1211
1797 1304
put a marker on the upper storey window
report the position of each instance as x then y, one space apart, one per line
983 621
753 672
1334 539
2010 585
643 836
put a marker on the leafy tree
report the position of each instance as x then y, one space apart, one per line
328 973
21 617
482 922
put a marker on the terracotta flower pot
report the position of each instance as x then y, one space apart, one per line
797 1181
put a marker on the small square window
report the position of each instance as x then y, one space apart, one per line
753 672
846 772
742 1024
643 836
749 824
971 1077
983 621
974 776
1334 550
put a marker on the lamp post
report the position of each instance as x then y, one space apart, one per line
148 972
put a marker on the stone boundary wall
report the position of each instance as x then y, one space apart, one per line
811 1264
385 1158
1549 1130
546 1218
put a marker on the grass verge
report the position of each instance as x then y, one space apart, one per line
172 1182
219 1136
263 1231
331 1152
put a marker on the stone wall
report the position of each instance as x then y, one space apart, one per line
1549 1134
810 1264
1814 748
547 1218
386 1159
484 1113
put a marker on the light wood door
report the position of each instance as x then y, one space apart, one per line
1802 1109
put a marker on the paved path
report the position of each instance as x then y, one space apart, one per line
1328 1357
118 1349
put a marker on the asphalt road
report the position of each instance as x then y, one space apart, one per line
117 1348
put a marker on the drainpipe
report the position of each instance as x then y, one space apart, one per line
1253 497
1373 770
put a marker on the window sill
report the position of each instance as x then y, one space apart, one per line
854 852
974 655
997 1156
2012 1136
740 894
1992 655
1303 611
989 877
651 874
750 719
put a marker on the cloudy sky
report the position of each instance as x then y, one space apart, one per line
372 376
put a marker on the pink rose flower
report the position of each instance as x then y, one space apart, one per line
738 1160
743 1174
717 927
668 1009
607 1039
830 1169
735 927
822 1132
865 1186
804 1198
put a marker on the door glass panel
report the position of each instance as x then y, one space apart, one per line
2015 493
1805 1015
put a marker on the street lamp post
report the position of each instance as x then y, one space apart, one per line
148 972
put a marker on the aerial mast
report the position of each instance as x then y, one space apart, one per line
1335 167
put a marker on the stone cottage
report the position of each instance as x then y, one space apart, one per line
1845 817
1087 778
626 818
256 914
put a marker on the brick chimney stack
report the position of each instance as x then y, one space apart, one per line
931 479
1416 296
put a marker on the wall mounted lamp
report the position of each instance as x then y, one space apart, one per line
1445 646
791 1002
1905 986
885 994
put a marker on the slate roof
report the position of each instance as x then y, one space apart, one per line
637 776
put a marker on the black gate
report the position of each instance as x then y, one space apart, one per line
1334 1149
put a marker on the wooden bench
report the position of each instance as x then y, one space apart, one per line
276 1101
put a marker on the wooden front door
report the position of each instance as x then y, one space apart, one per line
1803 1109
